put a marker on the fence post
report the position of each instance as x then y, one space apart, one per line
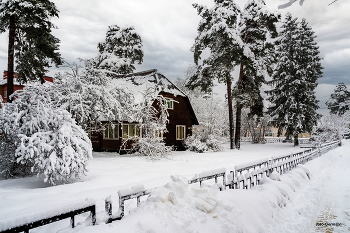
121 207
270 167
93 215
72 221
108 209
224 181
138 200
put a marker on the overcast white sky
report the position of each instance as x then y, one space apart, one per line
168 29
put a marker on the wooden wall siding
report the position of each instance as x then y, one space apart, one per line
180 115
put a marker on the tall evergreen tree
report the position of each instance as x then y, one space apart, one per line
293 98
30 40
120 50
339 103
217 31
256 25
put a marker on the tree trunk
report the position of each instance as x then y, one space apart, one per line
296 141
10 59
230 113
239 109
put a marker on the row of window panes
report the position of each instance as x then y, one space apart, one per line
128 130
132 130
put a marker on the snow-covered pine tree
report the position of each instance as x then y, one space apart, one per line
339 103
293 98
120 50
30 39
257 24
217 31
50 142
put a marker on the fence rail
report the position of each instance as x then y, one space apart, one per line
122 198
25 227
275 140
251 174
212 174
247 174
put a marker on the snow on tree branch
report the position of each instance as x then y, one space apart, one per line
301 2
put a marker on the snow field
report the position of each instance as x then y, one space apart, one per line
290 204
179 207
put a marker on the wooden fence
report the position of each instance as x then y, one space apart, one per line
244 176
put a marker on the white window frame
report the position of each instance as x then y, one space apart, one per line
114 132
169 101
5 94
177 132
135 130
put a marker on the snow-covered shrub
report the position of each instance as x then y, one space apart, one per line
8 143
152 147
330 128
49 141
203 141
61 153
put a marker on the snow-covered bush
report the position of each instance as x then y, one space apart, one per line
152 147
9 140
330 128
48 140
203 141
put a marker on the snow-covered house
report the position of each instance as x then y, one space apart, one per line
16 85
181 115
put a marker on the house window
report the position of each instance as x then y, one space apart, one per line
111 131
131 130
5 94
169 103
180 132
159 133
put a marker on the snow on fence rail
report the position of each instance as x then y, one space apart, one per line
206 175
27 222
249 174
124 194
275 140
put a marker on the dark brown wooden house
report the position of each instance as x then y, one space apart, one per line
181 115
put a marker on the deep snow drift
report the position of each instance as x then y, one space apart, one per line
315 192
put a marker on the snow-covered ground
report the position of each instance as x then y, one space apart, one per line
294 204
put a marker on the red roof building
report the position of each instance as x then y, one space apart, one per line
16 85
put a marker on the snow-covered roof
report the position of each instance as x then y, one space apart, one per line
138 83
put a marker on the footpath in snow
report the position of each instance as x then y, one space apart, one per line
317 192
